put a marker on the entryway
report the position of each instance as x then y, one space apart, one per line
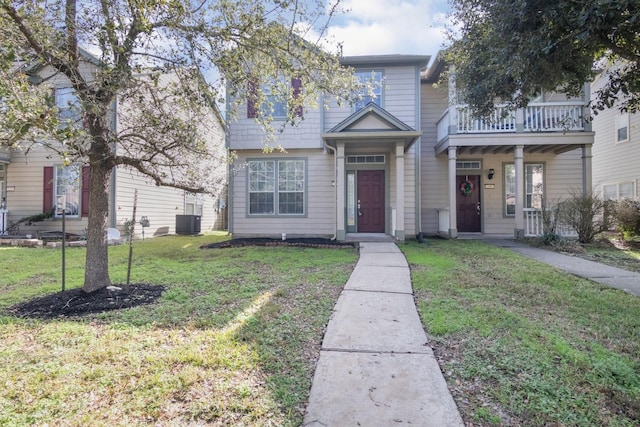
468 204
370 201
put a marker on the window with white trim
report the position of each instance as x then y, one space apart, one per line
277 187
372 92
68 183
68 105
193 204
533 188
619 191
622 127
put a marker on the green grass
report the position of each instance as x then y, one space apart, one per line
521 343
232 341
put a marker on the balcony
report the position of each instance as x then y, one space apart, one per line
559 117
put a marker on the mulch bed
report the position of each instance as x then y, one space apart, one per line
76 302
301 242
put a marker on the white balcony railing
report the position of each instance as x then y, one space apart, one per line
537 117
554 116
502 120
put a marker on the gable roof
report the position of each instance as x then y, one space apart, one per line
372 125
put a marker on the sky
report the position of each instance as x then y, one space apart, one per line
379 27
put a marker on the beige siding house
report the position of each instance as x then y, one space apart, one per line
30 182
616 150
408 162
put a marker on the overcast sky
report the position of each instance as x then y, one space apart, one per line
378 27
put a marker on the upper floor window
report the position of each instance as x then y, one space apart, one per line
274 103
277 187
534 187
372 92
622 127
68 105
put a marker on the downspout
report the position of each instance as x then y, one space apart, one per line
230 175
418 160
335 170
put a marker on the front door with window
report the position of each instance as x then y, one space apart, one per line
370 201
468 203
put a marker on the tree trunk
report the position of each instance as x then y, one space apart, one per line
96 274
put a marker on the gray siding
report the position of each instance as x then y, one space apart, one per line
615 162
320 216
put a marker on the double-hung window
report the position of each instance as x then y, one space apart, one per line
67 183
622 127
533 188
277 187
68 105
372 89
274 99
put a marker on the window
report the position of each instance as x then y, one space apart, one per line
68 105
193 204
72 182
277 187
619 191
67 182
533 188
373 91
622 127
274 103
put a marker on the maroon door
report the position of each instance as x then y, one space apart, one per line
468 203
370 201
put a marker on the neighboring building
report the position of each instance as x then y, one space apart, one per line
616 150
30 184
408 161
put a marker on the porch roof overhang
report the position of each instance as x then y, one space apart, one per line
504 143
372 127
372 139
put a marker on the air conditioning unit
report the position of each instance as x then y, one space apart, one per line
188 224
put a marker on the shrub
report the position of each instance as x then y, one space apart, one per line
627 217
584 213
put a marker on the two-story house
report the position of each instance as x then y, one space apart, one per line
408 160
30 183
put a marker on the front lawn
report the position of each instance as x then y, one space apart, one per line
232 341
523 344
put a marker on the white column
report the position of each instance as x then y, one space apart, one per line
399 192
587 173
453 207
519 172
340 193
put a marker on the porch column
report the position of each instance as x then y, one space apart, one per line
453 207
519 171
399 229
340 207
587 173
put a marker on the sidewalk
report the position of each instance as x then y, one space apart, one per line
628 281
375 366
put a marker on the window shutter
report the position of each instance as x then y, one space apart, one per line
252 111
47 189
84 209
296 84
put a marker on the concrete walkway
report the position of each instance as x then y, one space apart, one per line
610 276
375 366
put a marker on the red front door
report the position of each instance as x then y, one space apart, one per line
468 203
370 200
